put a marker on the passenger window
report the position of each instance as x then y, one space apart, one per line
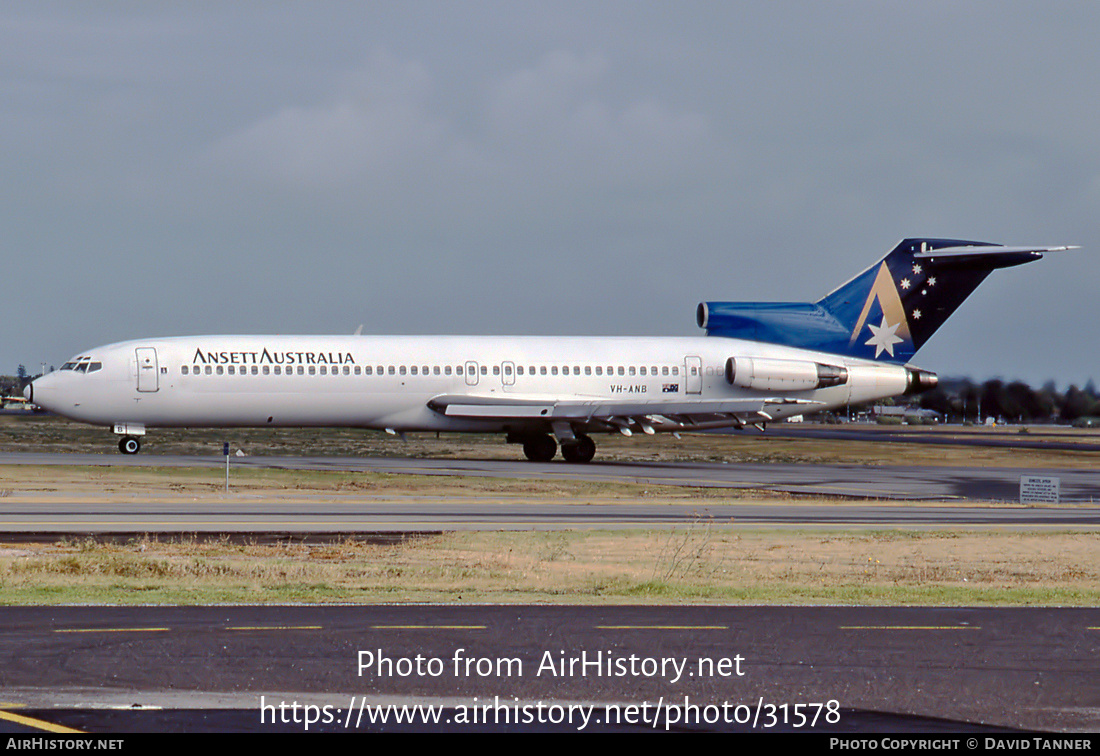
622 370
402 370
675 370
641 370
232 370
484 370
278 370
553 370
664 370
267 370
599 370
576 370
412 369
542 370
435 369
219 370
632 370
301 370
458 370
496 369
519 369
358 370
447 369
183 370
588 370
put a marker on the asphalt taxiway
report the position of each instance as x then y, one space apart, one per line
854 496
898 482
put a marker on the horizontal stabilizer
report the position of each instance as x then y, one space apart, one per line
987 252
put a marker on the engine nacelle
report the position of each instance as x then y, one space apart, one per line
919 381
782 375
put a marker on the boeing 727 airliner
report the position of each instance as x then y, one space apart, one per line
759 362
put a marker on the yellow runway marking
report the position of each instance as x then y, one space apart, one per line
909 627
38 724
277 627
662 627
427 627
115 630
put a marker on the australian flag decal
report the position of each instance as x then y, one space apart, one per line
670 388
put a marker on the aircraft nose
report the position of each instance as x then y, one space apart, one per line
28 392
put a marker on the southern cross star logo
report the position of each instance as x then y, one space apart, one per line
885 336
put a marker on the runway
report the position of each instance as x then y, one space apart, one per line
326 518
864 668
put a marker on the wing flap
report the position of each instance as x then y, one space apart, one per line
682 413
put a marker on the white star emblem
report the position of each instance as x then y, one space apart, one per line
916 270
916 314
932 281
884 337
905 283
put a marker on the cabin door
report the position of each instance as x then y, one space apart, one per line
147 369
693 375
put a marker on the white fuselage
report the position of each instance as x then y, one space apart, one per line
387 382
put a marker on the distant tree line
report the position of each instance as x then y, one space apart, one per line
961 400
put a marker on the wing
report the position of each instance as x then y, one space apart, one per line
604 414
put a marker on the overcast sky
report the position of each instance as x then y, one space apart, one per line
544 168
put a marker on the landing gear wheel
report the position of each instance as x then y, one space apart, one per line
129 445
540 448
582 451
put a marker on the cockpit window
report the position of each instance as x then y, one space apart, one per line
83 365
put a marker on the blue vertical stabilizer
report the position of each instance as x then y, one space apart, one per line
886 313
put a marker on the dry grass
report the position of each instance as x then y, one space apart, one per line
701 564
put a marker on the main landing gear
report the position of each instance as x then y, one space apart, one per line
129 445
543 447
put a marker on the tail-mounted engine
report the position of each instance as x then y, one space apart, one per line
782 375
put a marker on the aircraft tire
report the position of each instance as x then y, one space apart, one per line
582 451
129 445
540 448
